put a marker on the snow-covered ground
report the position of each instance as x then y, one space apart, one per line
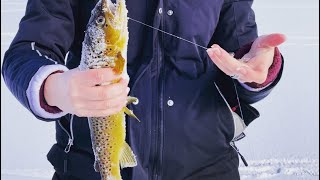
281 145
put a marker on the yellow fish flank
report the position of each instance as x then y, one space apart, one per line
105 45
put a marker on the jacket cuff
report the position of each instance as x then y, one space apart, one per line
43 103
273 72
35 92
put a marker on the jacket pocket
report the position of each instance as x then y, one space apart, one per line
238 122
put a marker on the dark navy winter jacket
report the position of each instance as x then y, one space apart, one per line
186 126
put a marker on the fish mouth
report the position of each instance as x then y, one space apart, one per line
110 6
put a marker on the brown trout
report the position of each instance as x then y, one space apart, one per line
105 45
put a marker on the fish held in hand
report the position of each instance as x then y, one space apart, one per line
105 46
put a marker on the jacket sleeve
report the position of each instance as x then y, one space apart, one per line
237 28
44 37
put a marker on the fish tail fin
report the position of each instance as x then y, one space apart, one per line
130 113
127 158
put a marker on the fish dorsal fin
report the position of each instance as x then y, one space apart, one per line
130 113
127 158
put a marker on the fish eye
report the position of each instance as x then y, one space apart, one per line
100 20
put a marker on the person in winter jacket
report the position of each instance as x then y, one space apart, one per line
187 95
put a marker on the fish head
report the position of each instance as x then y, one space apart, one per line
106 36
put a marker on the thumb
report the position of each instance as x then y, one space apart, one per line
271 40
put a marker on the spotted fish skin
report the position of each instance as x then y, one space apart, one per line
108 140
105 45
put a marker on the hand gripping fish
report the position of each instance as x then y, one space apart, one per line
105 45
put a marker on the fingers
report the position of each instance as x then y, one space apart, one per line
231 66
99 113
105 92
225 62
93 77
96 108
120 100
271 40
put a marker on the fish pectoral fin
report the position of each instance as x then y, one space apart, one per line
127 158
130 113
131 99
96 166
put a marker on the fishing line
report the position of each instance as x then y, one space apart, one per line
188 41
178 37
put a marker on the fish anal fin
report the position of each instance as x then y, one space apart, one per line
127 158
130 113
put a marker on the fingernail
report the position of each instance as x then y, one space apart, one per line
128 90
210 52
216 51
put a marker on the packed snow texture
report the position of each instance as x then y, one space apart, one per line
281 145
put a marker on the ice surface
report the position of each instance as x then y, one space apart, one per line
281 145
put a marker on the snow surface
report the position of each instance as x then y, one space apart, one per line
281 145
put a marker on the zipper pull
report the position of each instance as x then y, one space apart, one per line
242 158
239 137
70 143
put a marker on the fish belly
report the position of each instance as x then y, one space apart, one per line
108 139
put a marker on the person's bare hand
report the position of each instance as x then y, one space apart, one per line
76 92
254 66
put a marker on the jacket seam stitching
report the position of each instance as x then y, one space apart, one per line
236 29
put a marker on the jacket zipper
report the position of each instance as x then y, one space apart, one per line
155 145
70 135
160 113
242 135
